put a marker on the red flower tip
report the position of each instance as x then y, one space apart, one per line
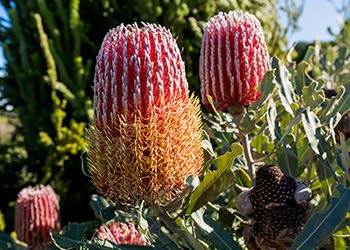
36 213
233 59
122 233
137 68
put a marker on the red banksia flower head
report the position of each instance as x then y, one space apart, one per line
121 234
36 213
147 134
233 60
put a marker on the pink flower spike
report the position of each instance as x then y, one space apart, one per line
137 69
122 234
233 60
36 213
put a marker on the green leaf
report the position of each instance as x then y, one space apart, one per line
309 53
215 182
271 118
218 236
320 226
343 106
206 145
284 86
317 142
311 124
261 144
248 122
287 158
301 77
164 242
345 157
98 203
6 242
295 120
73 237
311 96
266 89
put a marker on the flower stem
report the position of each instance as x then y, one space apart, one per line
244 140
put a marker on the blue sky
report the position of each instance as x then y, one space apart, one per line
318 15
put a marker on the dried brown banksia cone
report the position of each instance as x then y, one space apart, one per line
277 206
36 213
147 134
122 234
233 60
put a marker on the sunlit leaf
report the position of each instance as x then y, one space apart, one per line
216 181
284 86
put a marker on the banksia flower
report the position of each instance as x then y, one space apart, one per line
147 134
278 207
121 234
233 60
36 213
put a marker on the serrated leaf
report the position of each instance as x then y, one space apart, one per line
219 237
266 89
261 144
301 77
73 237
331 104
215 182
295 120
271 118
309 53
320 226
248 122
345 157
287 158
311 125
284 86
317 142
311 96
343 106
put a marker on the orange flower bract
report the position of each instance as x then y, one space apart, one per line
147 134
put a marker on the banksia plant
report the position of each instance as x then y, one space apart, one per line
36 213
121 234
147 134
278 208
233 60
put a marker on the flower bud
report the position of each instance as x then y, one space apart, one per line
233 60
122 234
36 213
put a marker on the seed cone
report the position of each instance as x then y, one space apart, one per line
36 213
147 134
233 60
122 233
277 217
